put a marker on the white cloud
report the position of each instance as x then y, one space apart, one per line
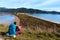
29 2
47 2
12 0
51 9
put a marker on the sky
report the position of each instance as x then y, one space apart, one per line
48 5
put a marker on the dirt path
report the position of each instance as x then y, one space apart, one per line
17 20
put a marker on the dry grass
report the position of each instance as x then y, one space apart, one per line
30 34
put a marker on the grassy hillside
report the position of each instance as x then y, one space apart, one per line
32 29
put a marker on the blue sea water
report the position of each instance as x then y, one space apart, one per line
7 19
52 17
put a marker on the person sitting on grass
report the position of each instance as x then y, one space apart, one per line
12 30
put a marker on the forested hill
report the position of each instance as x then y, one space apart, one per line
26 10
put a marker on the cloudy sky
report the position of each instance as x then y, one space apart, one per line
35 4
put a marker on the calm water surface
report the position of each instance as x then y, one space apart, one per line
7 19
52 17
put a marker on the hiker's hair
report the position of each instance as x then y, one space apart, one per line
14 22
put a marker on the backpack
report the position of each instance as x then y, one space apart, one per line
18 31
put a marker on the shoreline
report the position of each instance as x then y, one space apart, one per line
45 19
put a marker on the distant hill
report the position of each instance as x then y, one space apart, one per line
25 10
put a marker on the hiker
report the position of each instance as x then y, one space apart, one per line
12 30
18 30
